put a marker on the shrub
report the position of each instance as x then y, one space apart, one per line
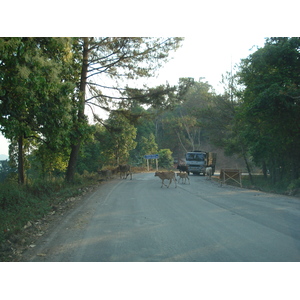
17 207
294 184
165 158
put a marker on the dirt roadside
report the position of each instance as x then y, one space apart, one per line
18 247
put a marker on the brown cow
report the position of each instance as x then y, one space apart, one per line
184 176
166 175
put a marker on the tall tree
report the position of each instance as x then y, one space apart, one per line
271 106
181 128
219 120
34 91
105 63
122 137
148 145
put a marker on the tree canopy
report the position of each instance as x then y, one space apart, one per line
35 92
47 83
270 106
115 59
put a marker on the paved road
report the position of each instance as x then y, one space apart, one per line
137 220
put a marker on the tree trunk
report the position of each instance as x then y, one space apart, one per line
248 169
80 115
72 162
265 171
180 141
21 170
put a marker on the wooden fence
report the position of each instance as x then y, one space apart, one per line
231 174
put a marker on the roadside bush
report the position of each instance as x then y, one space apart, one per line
45 188
90 175
20 204
165 159
17 207
294 184
265 184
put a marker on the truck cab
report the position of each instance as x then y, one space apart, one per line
197 161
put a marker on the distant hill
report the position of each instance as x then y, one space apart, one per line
3 157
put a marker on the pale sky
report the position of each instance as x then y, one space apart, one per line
205 56
209 57
3 145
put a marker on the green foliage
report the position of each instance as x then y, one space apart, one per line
33 201
165 159
270 108
45 162
17 207
35 93
93 151
145 137
122 137
148 145
181 129
294 184
266 184
117 59
43 84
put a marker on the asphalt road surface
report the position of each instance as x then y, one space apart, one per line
137 220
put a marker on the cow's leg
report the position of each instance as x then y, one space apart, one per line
169 182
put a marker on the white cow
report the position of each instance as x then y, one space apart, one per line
208 172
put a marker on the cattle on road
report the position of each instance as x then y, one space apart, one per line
125 170
183 168
184 176
166 175
208 173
